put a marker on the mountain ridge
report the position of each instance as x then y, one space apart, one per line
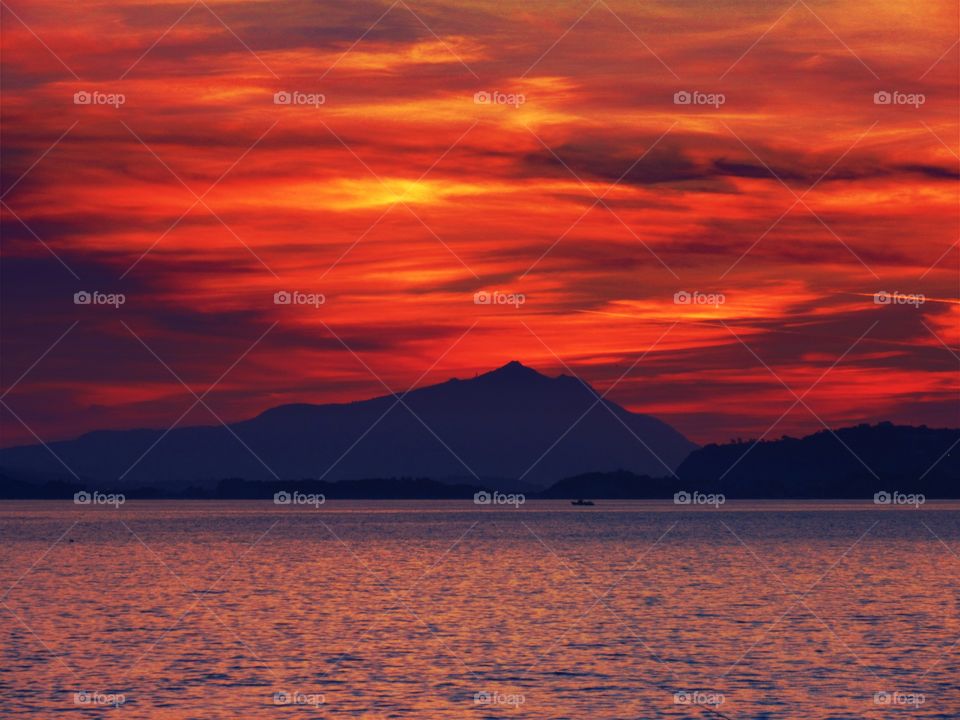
509 422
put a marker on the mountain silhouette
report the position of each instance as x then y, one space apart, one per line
512 423
853 462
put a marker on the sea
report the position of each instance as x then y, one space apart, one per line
518 608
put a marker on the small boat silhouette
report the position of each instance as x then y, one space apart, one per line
581 501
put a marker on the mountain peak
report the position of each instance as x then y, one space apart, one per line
514 371
515 366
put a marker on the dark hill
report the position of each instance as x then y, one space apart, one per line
853 462
849 462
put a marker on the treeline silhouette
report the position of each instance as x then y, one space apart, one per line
854 462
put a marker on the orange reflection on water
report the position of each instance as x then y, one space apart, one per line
439 610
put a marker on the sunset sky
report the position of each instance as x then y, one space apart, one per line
597 198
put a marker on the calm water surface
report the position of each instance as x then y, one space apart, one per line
443 610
